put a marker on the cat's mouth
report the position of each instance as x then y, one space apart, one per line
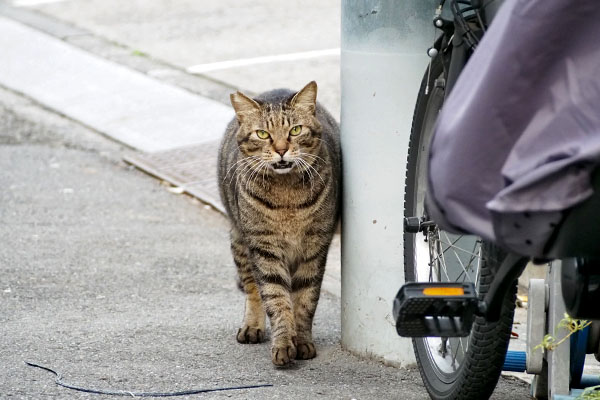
282 166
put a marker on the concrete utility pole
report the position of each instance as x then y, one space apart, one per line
384 45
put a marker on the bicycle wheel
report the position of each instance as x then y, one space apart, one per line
451 368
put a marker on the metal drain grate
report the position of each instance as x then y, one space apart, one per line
192 168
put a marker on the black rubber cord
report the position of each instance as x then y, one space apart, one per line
59 382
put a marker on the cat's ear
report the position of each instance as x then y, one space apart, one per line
243 105
306 98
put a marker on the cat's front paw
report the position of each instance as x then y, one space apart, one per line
248 334
306 351
283 354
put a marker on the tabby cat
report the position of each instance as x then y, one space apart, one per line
280 182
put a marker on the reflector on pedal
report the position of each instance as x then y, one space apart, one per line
443 291
435 309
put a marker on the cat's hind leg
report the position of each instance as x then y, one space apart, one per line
273 278
253 325
306 288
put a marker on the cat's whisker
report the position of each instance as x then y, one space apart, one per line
252 169
312 156
299 167
308 171
237 165
300 163
308 157
248 171
266 169
315 170
238 170
249 168
312 175
238 162
242 164
256 171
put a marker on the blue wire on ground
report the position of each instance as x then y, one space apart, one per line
59 382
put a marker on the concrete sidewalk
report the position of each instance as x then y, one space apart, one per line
126 105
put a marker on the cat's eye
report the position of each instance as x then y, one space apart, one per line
262 134
295 131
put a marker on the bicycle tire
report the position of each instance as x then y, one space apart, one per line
478 373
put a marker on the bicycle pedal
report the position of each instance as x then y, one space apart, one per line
435 309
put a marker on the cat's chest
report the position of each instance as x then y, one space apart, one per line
288 211
292 223
291 199
281 202
292 237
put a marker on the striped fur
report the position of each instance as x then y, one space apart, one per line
282 219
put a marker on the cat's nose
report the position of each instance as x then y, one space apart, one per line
281 152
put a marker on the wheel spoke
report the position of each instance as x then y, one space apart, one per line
455 355
458 248
440 256
457 257
450 259
448 248
442 260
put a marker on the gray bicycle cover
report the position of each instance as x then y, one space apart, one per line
519 136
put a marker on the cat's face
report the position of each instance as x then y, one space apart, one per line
279 138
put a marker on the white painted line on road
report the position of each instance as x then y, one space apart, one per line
201 68
32 3
122 103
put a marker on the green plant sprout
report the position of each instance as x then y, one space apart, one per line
590 393
571 325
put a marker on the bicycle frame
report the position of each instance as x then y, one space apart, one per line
458 34
454 47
